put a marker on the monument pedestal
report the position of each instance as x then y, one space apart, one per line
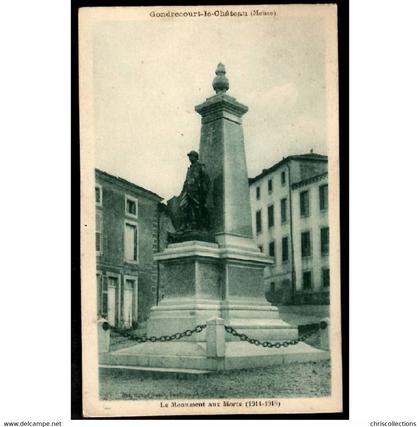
205 280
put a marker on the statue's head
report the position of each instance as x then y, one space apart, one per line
193 156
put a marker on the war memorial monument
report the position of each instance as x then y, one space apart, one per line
215 315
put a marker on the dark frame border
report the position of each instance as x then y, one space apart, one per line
76 338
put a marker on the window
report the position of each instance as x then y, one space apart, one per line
98 233
283 178
283 210
307 280
98 195
323 197
326 277
325 240
285 249
270 212
258 193
272 287
306 243
270 185
131 206
130 242
272 249
258 221
304 203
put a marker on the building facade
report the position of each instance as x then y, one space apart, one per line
289 203
131 225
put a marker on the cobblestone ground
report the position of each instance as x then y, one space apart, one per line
290 380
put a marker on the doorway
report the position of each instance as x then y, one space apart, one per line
130 302
111 300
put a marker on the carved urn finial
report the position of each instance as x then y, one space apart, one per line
220 82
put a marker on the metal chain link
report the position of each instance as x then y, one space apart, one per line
199 328
164 338
268 344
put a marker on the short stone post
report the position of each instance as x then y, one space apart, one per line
104 332
325 335
215 337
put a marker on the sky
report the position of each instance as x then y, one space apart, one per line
149 75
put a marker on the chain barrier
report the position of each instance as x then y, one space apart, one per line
164 338
312 329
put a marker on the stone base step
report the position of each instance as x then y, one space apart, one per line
181 356
149 369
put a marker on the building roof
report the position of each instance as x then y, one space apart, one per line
128 183
284 160
309 180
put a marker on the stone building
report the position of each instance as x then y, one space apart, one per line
131 225
289 203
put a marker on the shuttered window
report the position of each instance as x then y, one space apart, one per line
258 221
323 197
270 185
98 233
304 203
306 244
130 242
284 249
272 249
325 240
283 210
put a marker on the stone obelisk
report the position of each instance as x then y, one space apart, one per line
222 151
